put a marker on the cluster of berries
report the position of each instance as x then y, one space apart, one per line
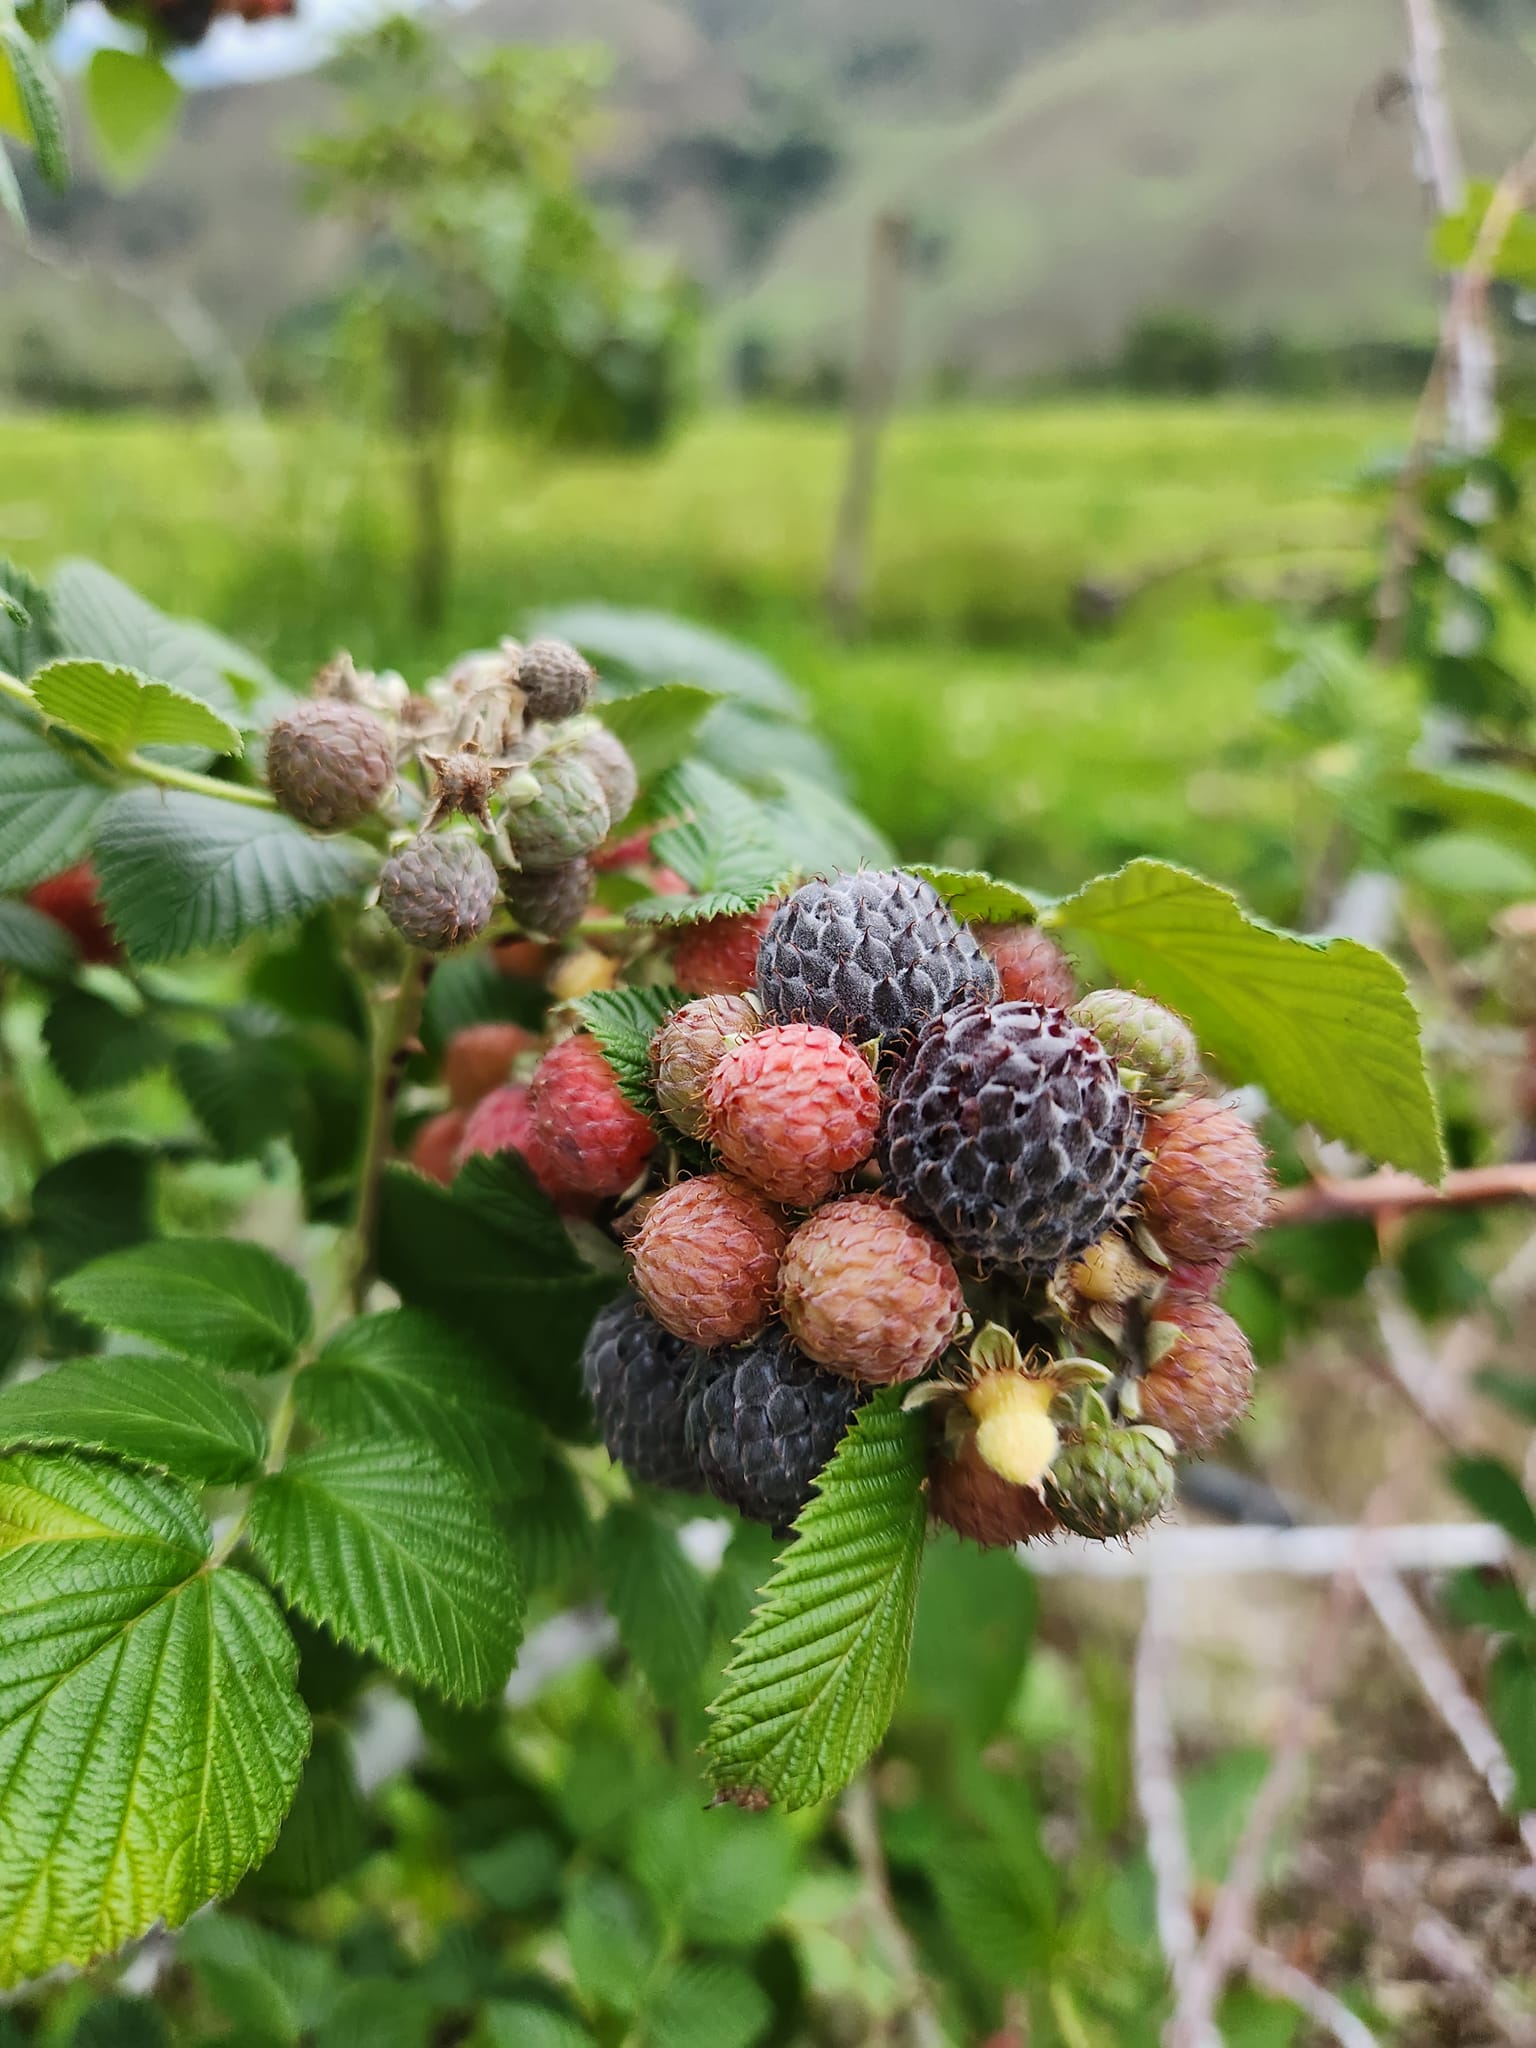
908 1121
521 786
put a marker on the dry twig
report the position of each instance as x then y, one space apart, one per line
1380 1194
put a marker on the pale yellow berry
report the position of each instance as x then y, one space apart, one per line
1014 1431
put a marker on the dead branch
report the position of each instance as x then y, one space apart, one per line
1272 1973
1157 1789
1388 1192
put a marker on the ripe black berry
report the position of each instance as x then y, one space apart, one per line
636 1378
1010 1133
870 955
762 1421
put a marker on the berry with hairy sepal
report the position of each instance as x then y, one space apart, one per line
479 1058
792 1109
1199 1377
1008 1131
1031 967
707 1258
592 1139
73 899
1099 1283
967 1496
871 955
1147 1041
329 763
717 956
866 1291
438 892
1208 1187
435 1147
763 1421
609 759
568 817
636 1375
1111 1482
688 1048
556 681
550 901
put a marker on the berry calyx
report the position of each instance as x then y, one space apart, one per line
479 1058
329 763
870 956
591 1138
1009 1132
438 892
1199 1377
688 1048
792 1109
1155 1050
706 1259
717 956
1207 1189
1031 967
866 1291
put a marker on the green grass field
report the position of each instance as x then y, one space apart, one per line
976 721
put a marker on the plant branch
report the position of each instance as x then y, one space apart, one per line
860 1818
1157 1789
395 1021
1376 1194
1272 1973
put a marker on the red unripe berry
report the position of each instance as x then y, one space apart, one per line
1207 1191
969 1497
718 955
632 852
435 1147
584 1132
707 1260
792 1109
1201 1386
1030 965
72 900
479 1058
501 1121
865 1290
522 959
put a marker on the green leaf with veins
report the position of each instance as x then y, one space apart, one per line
393 1549
122 710
186 874
656 726
35 944
217 1300
154 1411
657 1596
48 802
818 1670
151 1736
624 1021
94 1045
977 898
1325 1026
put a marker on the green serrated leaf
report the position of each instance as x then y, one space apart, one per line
1325 1026
657 726
818 1670
12 205
707 2004
720 1877
265 1982
153 1411
215 1300
94 1045
92 1203
978 898
326 1833
122 710
402 1374
530 1316
519 2023
48 804
150 1733
27 634
132 101
499 1188
394 1550
725 849
98 616
624 1021
35 944
1484 1600
612 1939
551 1530
40 102
1493 1489
243 1095
183 874
658 1598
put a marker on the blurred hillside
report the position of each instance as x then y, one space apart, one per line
1070 166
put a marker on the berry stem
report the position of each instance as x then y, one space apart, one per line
1378 1194
396 1015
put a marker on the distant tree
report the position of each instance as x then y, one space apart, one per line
484 262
